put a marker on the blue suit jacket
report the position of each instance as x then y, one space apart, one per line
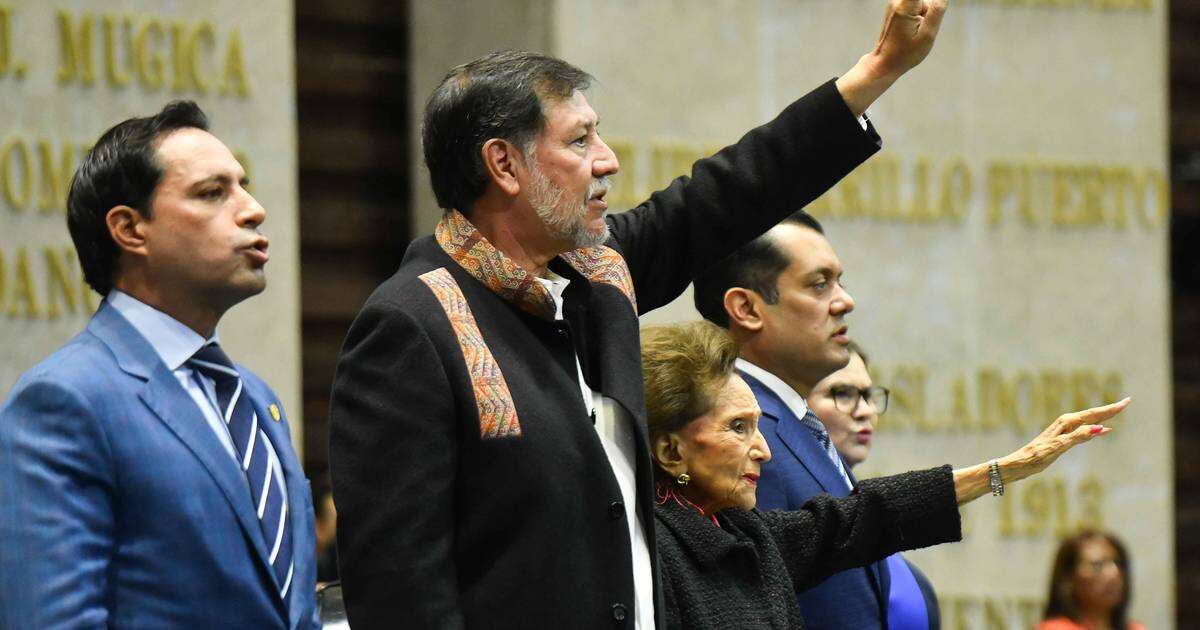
119 507
798 471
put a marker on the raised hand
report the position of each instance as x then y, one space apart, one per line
909 28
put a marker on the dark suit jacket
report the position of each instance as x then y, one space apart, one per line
743 574
472 489
798 471
121 508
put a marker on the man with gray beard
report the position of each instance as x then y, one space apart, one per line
488 447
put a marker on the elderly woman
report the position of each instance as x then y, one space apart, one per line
725 564
849 404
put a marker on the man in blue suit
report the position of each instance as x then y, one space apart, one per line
782 299
146 480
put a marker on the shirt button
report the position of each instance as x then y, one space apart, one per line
616 510
618 612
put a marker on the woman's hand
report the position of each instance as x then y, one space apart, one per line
1068 431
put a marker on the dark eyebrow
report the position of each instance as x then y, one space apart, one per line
219 178
825 272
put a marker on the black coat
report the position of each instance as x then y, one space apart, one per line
744 574
471 487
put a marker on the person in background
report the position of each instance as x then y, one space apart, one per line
1089 585
848 404
326 527
725 564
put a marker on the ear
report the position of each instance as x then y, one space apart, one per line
668 453
744 308
126 226
502 161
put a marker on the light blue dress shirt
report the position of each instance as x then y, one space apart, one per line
175 344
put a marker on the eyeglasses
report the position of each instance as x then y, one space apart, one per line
846 398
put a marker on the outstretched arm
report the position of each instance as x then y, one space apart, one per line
1067 431
911 510
909 29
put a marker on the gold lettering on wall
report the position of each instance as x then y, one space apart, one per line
202 36
56 175
1051 508
234 79
6 44
75 42
23 301
181 55
112 65
925 190
1104 6
989 612
59 285
45 291
50 173
147 59
989 399
15 172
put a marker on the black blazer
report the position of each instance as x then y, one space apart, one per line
744 573
465 504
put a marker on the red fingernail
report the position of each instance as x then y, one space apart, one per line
1097 429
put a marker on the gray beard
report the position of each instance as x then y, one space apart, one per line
564 219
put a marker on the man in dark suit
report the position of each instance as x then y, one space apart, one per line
488 450
146 481
782 299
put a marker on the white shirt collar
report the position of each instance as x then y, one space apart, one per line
794 401
174 342
555 284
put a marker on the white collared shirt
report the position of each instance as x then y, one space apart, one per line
799 408
795 402
175 344
615 428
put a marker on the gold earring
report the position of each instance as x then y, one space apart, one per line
683 479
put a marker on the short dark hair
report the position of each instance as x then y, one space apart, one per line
500 95
1061 601
755 266
121 169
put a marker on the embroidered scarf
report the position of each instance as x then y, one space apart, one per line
504 277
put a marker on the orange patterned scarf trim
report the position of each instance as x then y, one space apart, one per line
504 277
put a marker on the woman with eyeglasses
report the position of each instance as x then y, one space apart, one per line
849 405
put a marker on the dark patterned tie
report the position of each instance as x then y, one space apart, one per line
813 424
250 443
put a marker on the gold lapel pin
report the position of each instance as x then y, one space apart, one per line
275 412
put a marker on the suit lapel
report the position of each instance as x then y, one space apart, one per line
173 406
798 439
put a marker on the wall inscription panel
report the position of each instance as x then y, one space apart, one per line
71 69
1007 249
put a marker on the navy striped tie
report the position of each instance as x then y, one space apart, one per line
250 443
813 424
